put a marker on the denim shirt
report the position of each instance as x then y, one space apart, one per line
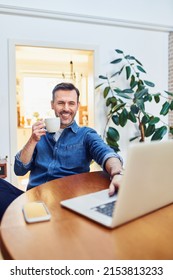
71 154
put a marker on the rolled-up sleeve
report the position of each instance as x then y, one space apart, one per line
20 168
99 150
110 155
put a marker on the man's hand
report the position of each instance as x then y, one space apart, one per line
38 130
115 184
114 168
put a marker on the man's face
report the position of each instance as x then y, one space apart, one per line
65 105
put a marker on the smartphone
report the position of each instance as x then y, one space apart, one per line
36 212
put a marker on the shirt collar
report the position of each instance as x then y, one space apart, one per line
74 127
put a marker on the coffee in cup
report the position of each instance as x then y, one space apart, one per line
52 124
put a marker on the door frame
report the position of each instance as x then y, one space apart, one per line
12 88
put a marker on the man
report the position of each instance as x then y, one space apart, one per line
69 151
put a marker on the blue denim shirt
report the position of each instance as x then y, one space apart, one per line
71 154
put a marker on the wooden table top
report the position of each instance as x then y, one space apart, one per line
70 236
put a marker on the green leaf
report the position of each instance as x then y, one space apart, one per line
169 93
121 101
138 61
111 101
103 77
141 93
154 120
127 90
148 97
133 138
165 108
113 134
124 95
159 133
132 81
117 107
150 130
128 72
171 130
157 97
148 83
113 144
130 57
99 85
108 101
117 90
145 119
134 109
106 91
132 117
121 70
171 105
123 117
140 104
140 85
118 51
115 119
116 149
141 69
113 75
134 84
118 60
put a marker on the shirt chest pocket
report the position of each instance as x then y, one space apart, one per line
72 155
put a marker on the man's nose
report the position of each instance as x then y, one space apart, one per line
66 106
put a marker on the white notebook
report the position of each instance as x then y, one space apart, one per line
146 186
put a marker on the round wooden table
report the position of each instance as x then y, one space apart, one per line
70 236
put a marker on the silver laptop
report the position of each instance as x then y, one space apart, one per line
146 186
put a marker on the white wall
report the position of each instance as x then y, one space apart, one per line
146 11
149 46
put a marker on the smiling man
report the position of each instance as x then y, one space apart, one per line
65 103
68 151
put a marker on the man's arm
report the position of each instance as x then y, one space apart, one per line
114 168
28 150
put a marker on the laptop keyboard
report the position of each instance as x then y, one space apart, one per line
106 209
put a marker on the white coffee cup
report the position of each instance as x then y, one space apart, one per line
52 124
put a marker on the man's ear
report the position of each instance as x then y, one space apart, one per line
52 106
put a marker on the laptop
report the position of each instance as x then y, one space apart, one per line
146 186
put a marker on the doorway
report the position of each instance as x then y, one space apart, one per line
38 70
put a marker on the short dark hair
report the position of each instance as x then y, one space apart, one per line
65 86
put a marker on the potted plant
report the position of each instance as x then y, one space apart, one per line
130 102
